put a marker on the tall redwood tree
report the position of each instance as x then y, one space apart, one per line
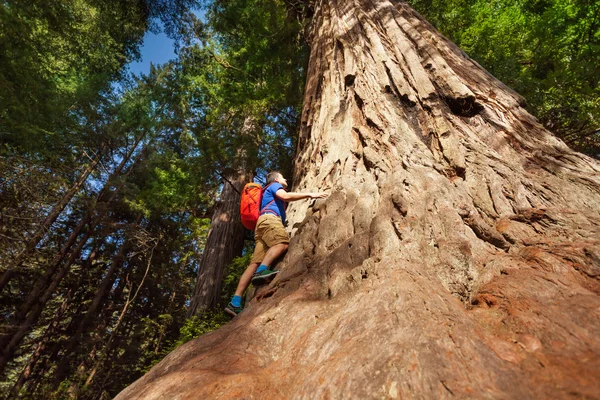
457 256
225 241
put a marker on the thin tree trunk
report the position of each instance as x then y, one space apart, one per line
164 330
92 311
13 341
114 356
41 368
83 222
130 299
28 314
40 347
43 281
458 255
49 220
117 293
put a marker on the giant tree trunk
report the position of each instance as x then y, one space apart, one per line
459 252
224 242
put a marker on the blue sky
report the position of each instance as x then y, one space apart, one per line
157 49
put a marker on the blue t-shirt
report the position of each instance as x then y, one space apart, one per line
277 207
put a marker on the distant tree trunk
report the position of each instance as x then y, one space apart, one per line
12 340
110 344
62 370
49 220
225 239
50 273
49 347
458 255
28 314
224 242
104 195
40 347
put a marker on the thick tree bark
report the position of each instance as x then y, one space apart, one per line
459 252
224 242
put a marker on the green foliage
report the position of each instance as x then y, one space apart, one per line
547 50
190 329
196 326
170 185
64 99
248 65
55 56
263 43
59 64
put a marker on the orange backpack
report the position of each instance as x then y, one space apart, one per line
250 205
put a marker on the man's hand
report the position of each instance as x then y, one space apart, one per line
318 195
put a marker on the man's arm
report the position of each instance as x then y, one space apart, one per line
292 196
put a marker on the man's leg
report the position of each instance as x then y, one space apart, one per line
277 241
265 274
273 253
235 306
245 279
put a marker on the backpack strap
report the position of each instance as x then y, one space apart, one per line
264 209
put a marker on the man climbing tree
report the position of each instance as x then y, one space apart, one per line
271 238
457 256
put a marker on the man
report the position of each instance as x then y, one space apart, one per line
271 238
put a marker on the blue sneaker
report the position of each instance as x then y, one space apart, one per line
263 277
233 310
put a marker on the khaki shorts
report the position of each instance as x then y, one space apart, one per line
269 232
